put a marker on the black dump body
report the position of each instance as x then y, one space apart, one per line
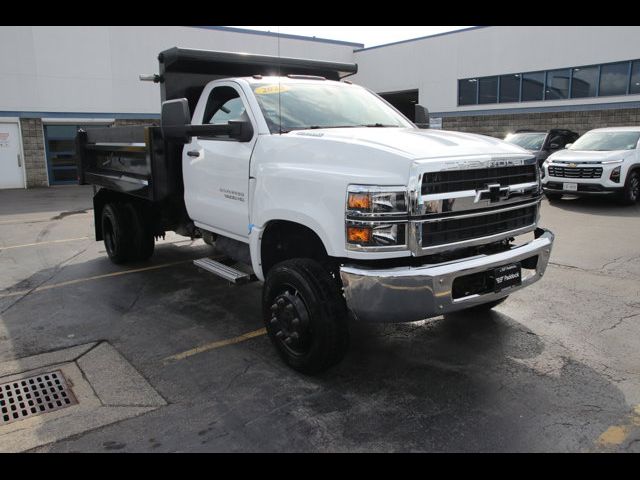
137 161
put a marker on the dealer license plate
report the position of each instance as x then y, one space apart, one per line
507 276
572 187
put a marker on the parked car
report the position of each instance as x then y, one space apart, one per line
603 161
542 143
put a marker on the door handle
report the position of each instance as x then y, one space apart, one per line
19 161
193 153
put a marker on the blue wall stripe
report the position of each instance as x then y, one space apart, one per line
118 116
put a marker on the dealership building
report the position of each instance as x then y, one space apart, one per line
488 80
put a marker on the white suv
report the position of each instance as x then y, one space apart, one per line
602 161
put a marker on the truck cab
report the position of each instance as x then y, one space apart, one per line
338 203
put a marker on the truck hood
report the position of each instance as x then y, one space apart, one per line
416 144
578 156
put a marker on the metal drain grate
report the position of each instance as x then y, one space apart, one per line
34 395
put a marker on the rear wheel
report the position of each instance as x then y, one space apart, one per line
631 191
305 315
126 233
143 241
116 232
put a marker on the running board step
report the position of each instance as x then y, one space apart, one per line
222 270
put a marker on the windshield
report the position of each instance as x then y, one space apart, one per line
530 141
323 105
606 141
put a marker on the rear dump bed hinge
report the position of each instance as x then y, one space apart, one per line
227 272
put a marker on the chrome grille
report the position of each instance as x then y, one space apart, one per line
476 179
465 227
575 172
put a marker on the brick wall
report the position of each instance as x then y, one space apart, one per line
580 122
34 156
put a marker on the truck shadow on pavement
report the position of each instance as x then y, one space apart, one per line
458 383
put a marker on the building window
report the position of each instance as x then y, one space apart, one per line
614 79
584 82
510 88
488 90
618 78
557 86
634 86
532 86
468 91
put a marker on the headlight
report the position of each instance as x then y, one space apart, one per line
376 217
372 234
368 200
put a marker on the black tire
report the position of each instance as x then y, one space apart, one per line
117 232
143 242
300 289
631 191
552 197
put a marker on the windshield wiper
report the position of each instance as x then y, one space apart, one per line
378 125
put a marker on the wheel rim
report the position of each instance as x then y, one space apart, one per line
109 236
290 321
634 189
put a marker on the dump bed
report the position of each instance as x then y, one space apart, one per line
133 160
137 160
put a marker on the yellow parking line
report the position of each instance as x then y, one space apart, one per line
43 243
86 279
616 434
213 345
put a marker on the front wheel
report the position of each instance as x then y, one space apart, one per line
305 315
631 191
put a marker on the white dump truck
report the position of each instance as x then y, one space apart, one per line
323 191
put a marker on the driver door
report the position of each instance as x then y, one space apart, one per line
216 170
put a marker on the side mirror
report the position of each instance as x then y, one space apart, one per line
568 145
554 146
242 130
174 120
422 116
175 124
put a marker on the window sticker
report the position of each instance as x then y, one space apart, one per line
271 89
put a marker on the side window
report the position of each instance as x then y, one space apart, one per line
224 104
559 140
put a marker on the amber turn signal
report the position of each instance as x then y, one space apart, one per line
359 201
360 235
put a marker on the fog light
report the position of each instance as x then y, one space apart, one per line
615 175
359 235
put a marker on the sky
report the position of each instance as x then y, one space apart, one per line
370 36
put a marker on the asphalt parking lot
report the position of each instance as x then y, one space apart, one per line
555 368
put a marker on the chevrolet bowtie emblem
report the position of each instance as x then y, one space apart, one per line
493 192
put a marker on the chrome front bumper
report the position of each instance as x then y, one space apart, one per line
407 294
